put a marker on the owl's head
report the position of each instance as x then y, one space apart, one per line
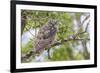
53 22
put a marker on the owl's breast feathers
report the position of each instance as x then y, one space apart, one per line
45 37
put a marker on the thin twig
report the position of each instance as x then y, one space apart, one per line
87 26
29 31
65 40
85 19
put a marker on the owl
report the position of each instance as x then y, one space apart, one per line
46 36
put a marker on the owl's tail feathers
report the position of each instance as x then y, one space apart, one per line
28 57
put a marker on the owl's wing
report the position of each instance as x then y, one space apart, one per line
41 44
44 38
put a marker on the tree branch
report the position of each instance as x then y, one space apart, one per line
87 26
85 19
61 41
29 31
66 40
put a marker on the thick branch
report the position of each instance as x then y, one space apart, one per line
62 41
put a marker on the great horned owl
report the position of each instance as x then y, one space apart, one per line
46 36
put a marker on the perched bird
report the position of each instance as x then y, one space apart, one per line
44 39
46 36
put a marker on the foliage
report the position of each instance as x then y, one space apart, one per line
66 51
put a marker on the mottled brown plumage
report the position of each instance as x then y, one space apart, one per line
46 36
